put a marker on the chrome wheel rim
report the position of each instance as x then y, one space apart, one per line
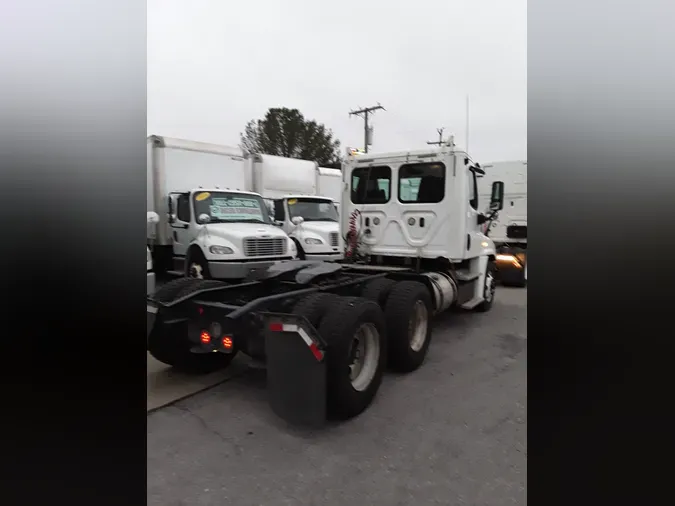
490 287
418 325
365 356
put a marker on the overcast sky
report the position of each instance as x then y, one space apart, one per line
213 65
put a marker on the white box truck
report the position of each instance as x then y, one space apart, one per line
292 189
509 229
152 220
209 225
330 184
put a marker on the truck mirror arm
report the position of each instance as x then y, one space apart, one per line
482 217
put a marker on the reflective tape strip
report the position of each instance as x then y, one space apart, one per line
300 331
287 327
152 309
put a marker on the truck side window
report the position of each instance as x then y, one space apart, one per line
473 194
183 208
423 183
371 185
279 214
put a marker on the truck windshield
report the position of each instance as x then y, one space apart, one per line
226 207
312 209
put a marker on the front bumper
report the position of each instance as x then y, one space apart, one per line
327 257
240 270
511 266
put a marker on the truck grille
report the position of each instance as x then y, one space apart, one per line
334 239
255 247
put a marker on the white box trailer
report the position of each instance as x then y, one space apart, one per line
330 184
292 188
210 225
509 229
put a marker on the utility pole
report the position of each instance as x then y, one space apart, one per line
439 142
365 113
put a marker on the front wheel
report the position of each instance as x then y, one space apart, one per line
489 288
301 252
408 310
197 266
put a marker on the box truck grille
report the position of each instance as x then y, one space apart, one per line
334 239
516 232
255 247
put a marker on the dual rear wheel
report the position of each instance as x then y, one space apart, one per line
389 323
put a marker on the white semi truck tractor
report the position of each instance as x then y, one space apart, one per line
209 225
509 229
292 187
326 330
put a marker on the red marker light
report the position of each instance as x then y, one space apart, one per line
201 310
227 342
277 327
205 337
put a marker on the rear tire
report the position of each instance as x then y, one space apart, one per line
378 290
315 306
355 332
170 345
408 312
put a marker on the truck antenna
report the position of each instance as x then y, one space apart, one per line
439 142
467 123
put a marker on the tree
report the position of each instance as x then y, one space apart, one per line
286 132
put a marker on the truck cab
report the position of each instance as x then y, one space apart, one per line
313 223
421 209
509 229
293 189
224 234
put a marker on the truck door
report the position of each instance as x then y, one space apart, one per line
179 208
473 230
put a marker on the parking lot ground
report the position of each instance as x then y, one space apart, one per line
452 433
166 386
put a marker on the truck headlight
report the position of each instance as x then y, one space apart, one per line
220 250
311 240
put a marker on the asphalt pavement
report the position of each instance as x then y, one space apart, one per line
451 433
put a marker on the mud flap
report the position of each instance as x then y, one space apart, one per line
296 370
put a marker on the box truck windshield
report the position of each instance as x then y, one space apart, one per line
311 209
226 207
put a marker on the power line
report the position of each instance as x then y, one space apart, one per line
365 113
